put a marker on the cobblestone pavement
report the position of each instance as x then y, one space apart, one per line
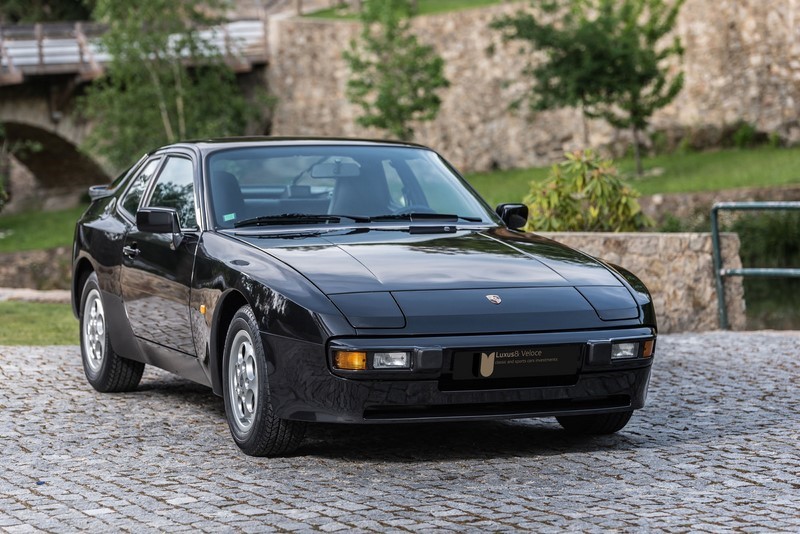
716 449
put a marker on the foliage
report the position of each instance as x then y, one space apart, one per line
424 7
37 323
606 56
745 135
165 81
584 193
21 11
394 79
7 150
770 239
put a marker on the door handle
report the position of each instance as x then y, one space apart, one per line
130 251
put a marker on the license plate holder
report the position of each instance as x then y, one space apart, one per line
516 362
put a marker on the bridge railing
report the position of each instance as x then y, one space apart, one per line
67 48
720 272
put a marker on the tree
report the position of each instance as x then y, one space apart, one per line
610 57
394 79
15 11
8 149
165 82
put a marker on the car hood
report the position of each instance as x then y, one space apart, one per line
387 260
374 275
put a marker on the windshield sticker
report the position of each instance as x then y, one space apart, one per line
228 217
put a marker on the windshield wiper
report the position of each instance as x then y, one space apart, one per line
297 218
422 216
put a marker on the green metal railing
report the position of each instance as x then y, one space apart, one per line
720 272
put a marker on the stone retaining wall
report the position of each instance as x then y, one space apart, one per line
37 269
677 268
742 63
679 271
694 208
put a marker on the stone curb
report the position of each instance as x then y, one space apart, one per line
59 296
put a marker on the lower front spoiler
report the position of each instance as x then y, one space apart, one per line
489 411
614 391
303 389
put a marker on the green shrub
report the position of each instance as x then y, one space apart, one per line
770 239
745 135
584 193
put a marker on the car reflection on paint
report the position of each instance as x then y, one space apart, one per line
348 281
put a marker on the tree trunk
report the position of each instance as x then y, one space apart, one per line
585 126
636 154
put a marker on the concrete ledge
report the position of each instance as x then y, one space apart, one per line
677 268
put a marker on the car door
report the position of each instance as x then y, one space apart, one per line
156 270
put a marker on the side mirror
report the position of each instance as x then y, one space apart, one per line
158 220
514 215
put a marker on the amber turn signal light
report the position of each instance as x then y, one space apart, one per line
350 360
648 348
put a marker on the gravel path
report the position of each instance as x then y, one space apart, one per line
716 449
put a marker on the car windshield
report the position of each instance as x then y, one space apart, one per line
333 184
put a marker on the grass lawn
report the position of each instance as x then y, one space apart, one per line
426 7
35 231
678 173
34 323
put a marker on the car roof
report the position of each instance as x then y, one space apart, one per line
210 145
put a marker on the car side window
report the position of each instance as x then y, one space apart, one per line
175 189
130 202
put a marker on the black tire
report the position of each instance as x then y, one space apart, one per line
105 370
248 403
603 423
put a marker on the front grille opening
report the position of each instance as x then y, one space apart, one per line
446 383
504 409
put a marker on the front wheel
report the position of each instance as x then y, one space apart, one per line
603 423
248 403
105 370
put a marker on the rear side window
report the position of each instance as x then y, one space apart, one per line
175 189
130 202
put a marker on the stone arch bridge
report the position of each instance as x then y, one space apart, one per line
44 67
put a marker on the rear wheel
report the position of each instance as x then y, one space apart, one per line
105 370
604 423
248 403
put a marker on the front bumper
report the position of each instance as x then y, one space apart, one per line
304 387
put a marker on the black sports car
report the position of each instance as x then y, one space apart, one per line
351 282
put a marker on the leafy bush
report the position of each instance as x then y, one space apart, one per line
744 135
584 193
770 239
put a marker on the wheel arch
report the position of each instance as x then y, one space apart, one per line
226 308
83 269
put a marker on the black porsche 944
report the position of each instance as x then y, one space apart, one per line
349 281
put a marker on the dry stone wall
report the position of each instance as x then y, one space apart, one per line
37 269
742 62
678 269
